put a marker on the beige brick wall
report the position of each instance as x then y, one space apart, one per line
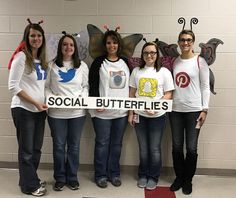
153 18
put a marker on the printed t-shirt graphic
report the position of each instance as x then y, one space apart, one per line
67 75
41 74
148 87
117 79
182 79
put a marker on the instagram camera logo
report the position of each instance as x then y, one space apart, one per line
117 79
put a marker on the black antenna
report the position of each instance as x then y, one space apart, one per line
145 40
194 21
182 20
156 41
28 19
64 32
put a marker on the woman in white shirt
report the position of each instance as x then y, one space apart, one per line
67 76
26 82
149 81
190 105
109 77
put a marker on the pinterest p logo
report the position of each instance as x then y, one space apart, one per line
182 79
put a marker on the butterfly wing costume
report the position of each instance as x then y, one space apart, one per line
97 49
208 52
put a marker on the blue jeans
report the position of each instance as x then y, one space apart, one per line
30 132
149 133
108 144
183 128
66 132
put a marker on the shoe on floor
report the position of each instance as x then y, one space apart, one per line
177 184
102 183
73 185
39 192
58 186
116 181
142 182
187 188
151 184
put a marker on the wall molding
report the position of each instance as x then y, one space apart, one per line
166 171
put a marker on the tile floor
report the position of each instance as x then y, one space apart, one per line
204 186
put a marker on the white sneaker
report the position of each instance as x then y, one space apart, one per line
142 182
151 184
39 192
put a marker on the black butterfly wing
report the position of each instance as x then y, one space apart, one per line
168 50
134 62
208 50
95 41
212 82
129 44
169 54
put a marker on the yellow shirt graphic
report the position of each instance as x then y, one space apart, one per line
148 87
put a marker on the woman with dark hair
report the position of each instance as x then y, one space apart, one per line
190 105
67 76
149 81
109 77
26 82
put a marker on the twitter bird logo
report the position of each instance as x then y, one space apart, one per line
67 76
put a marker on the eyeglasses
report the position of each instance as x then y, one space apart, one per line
189 40
149 53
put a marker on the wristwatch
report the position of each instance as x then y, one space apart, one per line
205 111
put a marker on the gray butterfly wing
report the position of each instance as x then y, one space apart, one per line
208 50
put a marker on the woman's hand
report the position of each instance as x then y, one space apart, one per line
100 110
131 120
150 112
202 117
41 106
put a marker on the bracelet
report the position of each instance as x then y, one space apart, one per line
205 111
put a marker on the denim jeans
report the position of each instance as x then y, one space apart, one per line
149 133
108 144
183 127
30 132
66 133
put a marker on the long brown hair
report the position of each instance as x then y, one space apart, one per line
75 56
41 54
115 36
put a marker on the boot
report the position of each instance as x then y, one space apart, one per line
190 169
178 163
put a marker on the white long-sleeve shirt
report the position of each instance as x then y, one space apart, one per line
33 83
67 81
192 89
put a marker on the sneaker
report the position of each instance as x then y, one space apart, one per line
39 192
151 184
102 183
187 188
177 184
116 181
142 182
58 186
73 185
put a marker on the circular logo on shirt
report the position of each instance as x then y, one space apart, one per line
117 80
182 79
